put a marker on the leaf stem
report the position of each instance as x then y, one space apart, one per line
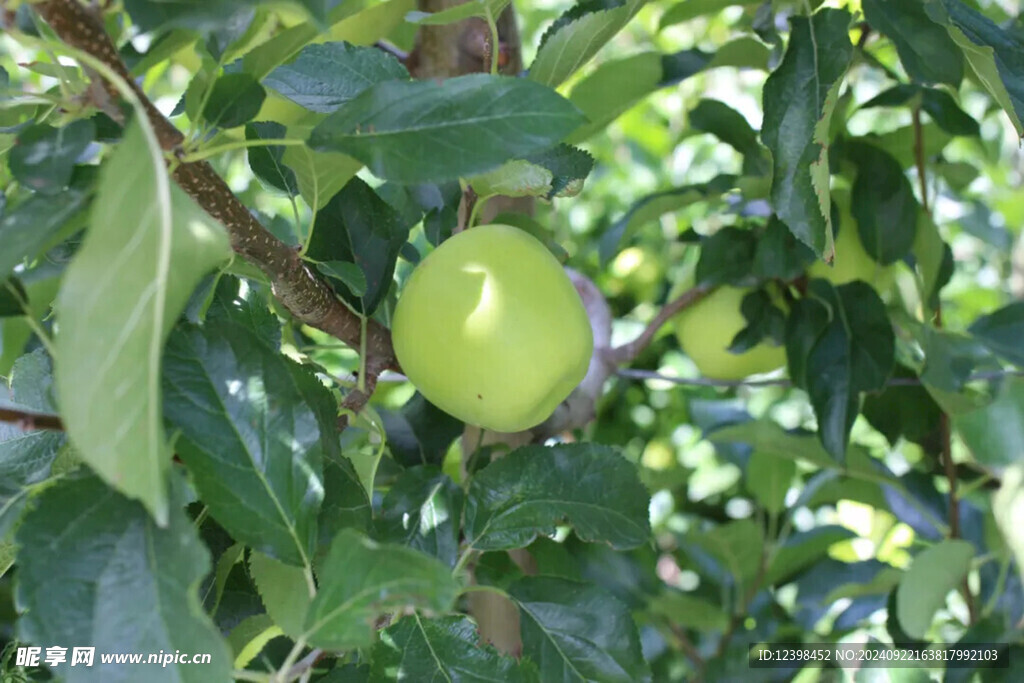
463 559
495 46
202 154
282 675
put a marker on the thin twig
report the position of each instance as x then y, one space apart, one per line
945 431
631 373
628 352
31 421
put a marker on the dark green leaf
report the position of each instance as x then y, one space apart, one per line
727 258
423 510
842 343
729 126
359 227
118 583
926 50
904 411
147 246
765 322
996 55
324 77
939 104
1003 332
361 580
420 433
13 298
799 98
345 502
577 632
778 254
443 649
802 549
576 36
253 428
422 131
883 204
43 157
531 490
267 162
234 99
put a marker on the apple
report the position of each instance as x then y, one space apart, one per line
851 261
706 329
490 329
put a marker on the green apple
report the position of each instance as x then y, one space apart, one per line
706 329
491 330
851 262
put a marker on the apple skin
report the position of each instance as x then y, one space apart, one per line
851 262
706 329
490 329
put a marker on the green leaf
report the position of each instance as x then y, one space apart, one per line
250 636
994 434
653 206
778 254
253 426
324 77
146 249
691 9
423 510
361 580
577 35
345 502
939 104
94 568
534 488
1008 508
29 227
995 55
577 631
26 457
359 227
267 162
424 131
234 99
726 257
802 549
689 611
320 175
43 157
884 205
769 478
799 97
349 21
348 273
205 17
923 588
1003 332
851 352
737 546
558 172
443 649
284 590
465 10
925 49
